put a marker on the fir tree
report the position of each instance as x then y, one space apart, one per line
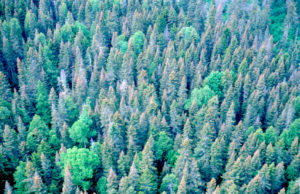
68 186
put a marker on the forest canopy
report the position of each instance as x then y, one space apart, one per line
149 96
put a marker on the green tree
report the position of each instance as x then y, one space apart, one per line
137 42
216 159
294 168
293 131
148 178
42 106
297 107
162 146
5 91
81 129
255 185
19 177
10 143
214 81
82 162
37 132
101 185
201 97
169 184
148 181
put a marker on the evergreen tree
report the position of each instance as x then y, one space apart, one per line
10 143
197 96
112 182
68 186
38 185
42 106
5 91
37 132
169 184
182 186
8 189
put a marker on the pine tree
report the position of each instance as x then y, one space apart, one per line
278 178
122 165
184 156
193 178
115 136
42 105
30 24
133 177
175 119
38 185
270 154
211 185
112 182
202 150
148 181
68 186
5 91
46 169
10 145
255 185
230 187
294 168
182 186
8 189
169 184
216 159
37 132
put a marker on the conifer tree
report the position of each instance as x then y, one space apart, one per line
122 165
5 91
133 177
42 106
68 186
10 143
115 136
8 189
216 161
182 186
37 132
149 96
255 185
211 185
184 156
38 185
169 184
112 182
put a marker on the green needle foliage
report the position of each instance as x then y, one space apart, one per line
149 96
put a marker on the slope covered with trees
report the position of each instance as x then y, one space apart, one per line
149 96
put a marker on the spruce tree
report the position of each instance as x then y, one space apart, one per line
182 186
42 105
68 186
112 182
